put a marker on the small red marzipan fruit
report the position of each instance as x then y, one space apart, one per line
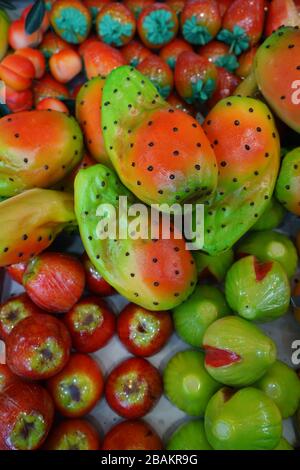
94 281
26 412
13 311
133 388
132 435
78 387
7 377
38 347
143 332
73 434
91 324
54 281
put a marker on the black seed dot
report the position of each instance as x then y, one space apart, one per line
90 237
223 163
269 117
267 154
46 167
273 135
171 110
194 125
153 101
150 123
175 153
155 303
287 187
150 168
256 215
282 97
131 145
115 90
198 167
107 103
298 67
17 136
150 144
268 46
295 167
143 82
258 129
98 256
115 122
156 284
154 260
20 254
216 142
25 237
291 46
177 272
127 253
224 209
198 144
251 203
86 213
175 129
40 239
247 147
132 274
105 128
138 183
132 164
236 122
129 106
251 110
172 177
228 103
176 294
177 197
139 93
234 180
266 197
160 191
5 249
256 173
209 122
176 248
136 294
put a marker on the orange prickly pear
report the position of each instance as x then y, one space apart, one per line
247 149
160 153
32 220
37 149
156 274
88 104
288 183
281 13
277 73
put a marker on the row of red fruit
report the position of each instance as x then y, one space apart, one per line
39 347
205 75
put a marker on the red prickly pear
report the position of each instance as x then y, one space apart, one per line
159 73
32 220
288 183
242 25
170 52
276 58
200 21
281 13
115 24
223 6
160 153
156 274
100 59
88 103
47 87
95 6
247 149
71 20
195 77
134 53
176 5
37 149
157 25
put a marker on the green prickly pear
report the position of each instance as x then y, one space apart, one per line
32 220
88 104
160 153
288 182
247 149
157 274
277 73
37 149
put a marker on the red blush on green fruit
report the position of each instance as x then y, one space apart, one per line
215 357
